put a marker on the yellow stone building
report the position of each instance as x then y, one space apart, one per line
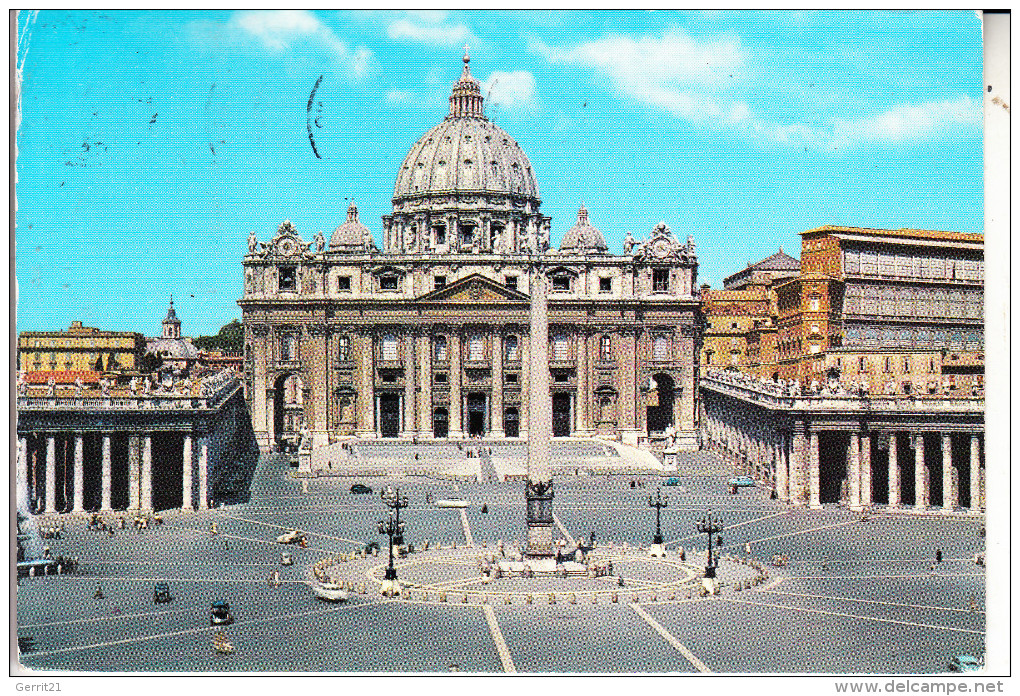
79 349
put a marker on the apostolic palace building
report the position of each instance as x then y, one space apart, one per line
428 337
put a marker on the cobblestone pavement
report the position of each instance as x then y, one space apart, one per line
856 595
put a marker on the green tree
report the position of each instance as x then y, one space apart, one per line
230 339
149 363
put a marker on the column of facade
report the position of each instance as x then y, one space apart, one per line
628 386
365 400
456 407
79 473
976 501
853 459
261 417
411 378
921 492
425 383
583 378
782 474
496 403
317 362
134 473
866 497
146 478
525 346
799 464
22 475
203 473
949 498
814 468
895 496
107 475
187 464
51 473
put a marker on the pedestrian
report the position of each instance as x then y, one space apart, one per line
938 555
747 548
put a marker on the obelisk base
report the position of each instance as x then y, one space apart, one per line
540 542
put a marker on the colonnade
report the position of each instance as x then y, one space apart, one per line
39 487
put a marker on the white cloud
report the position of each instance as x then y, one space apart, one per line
422 29
673 71
278 30
903 124
512 90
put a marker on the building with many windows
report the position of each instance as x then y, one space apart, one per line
80 349
428 337
893 311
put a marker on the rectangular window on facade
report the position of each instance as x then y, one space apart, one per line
607 348
343 284
439 348
440 281
511 282
440 233
815 303
906 364
390 348
512 349
511 378
476 347
605 285
288 278
660 280
660 348
861 365
561 283
440 378
343 353
888 364
388 283
561 349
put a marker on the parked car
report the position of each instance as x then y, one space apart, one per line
965 663
371 546
161 593
360 488
740 481
294 536
219 613
330 591
452 503
672 481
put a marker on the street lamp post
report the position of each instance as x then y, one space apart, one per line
710 525
658 504
392 528
396 502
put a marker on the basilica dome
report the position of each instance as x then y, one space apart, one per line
466 153
352 235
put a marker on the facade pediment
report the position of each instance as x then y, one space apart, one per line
474 288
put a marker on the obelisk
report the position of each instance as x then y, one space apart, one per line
539 486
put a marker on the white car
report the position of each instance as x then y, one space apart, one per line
294 536
452 503
330 591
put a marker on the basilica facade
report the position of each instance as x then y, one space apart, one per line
428 336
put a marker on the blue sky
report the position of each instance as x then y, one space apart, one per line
152 143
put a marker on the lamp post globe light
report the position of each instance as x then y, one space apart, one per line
710 525
659 502
396 502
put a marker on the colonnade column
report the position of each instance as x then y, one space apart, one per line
107 473
496 404
866 497
525 347
629 396
425 381
799 464
949 496
894 470
976 501
51 473
22 475
147 472
203 473
410 424
79 472
815 473
188 463
456 407
853 459
782 475
921 492
133 472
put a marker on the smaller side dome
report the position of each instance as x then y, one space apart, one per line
583 238
352 236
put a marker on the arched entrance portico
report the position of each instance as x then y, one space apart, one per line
561 414
389 415
288 407
440 423
476 414
660 409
